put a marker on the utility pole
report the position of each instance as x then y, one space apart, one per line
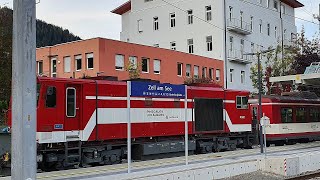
318 17
282 38
24 165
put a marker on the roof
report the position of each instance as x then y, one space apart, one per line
127 6
123 8
293 3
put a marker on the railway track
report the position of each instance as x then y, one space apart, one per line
249 153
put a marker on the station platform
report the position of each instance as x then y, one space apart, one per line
287 161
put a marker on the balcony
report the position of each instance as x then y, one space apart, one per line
238 26
239 57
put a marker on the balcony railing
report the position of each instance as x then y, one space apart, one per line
239 26
239 56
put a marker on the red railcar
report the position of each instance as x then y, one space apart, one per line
84 122
293 118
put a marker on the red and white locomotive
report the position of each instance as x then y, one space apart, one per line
294 117
85 122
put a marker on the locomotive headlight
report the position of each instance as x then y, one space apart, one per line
95 154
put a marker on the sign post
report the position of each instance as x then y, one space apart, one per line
264 122
186 138
155 90
128 127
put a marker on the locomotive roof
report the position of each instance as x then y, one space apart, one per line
276 98
83 81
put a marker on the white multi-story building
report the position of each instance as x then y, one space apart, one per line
220 29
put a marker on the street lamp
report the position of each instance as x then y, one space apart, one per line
258 54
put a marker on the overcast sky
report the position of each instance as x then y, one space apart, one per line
92 18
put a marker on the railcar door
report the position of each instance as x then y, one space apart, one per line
73 110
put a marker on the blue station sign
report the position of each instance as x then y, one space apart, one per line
147 89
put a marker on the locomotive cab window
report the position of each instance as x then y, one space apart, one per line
51 97
242 102
71 102
286 115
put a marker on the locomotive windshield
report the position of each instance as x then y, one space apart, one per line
242 102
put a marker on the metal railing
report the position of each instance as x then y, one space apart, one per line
239 55
239 24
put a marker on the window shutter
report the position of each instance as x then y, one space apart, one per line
196 70
67 64
119 61
156 64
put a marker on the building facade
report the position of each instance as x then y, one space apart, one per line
220 29
105 57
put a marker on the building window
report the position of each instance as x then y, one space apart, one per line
260 25
211 73
285 34
242 102
173 45
268 29
40 67
51 97
54 67
145 65
251 23
172 20
179 69
268 3
231 43
260 1
71 102
190 17
89 61
119 62
190 46
188 70
275 4
133 62
241 19
156 66
67 64
209 43
231 75
275 31
155 23
196 71
140 27
148 0
242 77
204 72
241 47
78 62
286 115
282 9
208 13
230 13
252 47
217 74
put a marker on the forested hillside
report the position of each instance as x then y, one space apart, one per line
47 34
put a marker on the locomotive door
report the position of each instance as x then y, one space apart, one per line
73 110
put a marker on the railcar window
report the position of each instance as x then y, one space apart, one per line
242 102
51 98
314 115
301 115
71 102
286 115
